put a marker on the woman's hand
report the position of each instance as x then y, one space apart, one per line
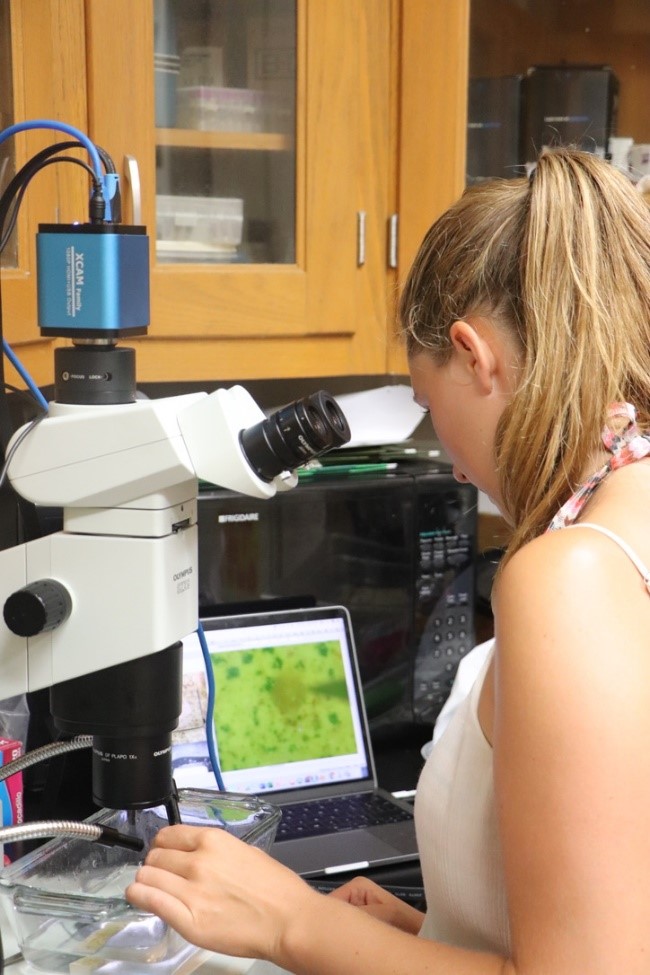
218 892
374 900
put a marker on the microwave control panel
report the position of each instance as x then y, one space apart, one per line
445 582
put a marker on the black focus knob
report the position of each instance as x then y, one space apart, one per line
37 608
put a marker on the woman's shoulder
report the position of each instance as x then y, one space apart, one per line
615 520
580 588
550 556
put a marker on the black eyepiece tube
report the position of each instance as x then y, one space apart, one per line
294 435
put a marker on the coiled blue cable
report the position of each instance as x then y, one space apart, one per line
46 123
209 717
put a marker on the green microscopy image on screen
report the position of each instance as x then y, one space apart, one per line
284 704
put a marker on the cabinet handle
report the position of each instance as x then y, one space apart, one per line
132 173
361 238
393 238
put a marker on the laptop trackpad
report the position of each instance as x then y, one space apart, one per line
312 856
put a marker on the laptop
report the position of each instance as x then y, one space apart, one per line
290 726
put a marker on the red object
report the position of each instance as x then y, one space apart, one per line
11 789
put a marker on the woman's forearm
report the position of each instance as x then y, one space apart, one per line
335 938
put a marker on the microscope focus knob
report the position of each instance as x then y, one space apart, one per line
37 607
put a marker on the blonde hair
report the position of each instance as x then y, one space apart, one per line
562 260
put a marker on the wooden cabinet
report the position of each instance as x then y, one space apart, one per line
379 136
280 319
330 312
379 142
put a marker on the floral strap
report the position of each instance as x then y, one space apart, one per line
625 447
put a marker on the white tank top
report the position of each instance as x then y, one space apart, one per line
455 818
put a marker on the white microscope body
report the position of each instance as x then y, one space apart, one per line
126 477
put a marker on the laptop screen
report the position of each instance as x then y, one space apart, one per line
288 708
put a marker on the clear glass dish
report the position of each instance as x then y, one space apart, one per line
66 899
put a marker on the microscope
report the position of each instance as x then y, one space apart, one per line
96 611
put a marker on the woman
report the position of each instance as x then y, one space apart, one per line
527 321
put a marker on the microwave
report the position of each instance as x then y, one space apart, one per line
397 549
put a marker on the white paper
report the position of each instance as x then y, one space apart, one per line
380 416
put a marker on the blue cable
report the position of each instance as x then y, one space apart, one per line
19 367
44 123
209 717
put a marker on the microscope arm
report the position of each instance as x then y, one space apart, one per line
133 454
120 581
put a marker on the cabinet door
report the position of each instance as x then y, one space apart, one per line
42 67
304 148
434 44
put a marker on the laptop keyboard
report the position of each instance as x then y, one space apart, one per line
336 814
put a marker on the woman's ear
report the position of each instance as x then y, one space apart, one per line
474 352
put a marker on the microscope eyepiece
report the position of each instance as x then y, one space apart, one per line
294 435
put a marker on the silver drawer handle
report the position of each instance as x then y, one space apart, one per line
132 173
361 238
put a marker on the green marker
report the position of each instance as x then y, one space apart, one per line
346 469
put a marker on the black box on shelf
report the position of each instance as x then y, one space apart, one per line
493 128
568 105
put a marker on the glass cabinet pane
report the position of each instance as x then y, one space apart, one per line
7 161
225 89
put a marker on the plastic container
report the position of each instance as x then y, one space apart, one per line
66 899
210 108
212 221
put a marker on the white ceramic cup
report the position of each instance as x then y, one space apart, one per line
619 151
640 159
